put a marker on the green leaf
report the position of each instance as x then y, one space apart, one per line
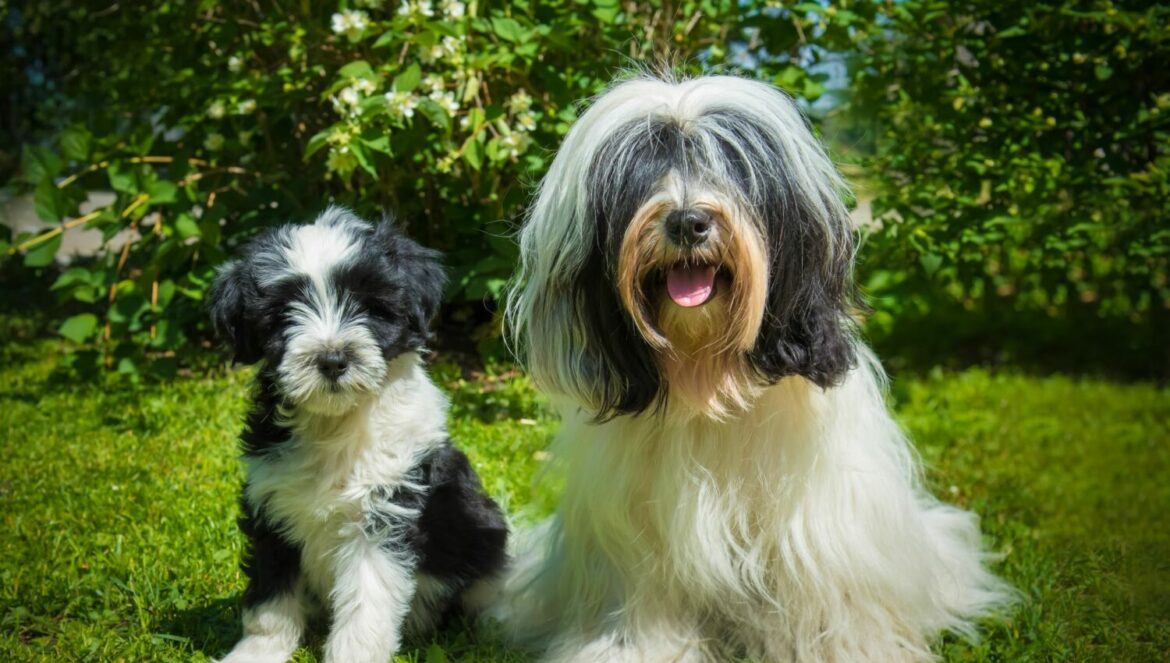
38 163
1103 72
79 327
930 262
379 144
435 654
43 254
363 159
356 69
162 191
318 141
473 152
73 276
122 178
76 142
507 28
388 37
408 80
187 227
50 202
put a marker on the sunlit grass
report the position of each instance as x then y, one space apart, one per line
119 506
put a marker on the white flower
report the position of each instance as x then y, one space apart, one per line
451 45
433 83
235 64
351 23
216 110
432 54
446 101
519 102
465 122
365 85
515 143
401 104
526 121
213 142
418 8
348 102
454 9
246 107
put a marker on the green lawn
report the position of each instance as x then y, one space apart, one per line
119 507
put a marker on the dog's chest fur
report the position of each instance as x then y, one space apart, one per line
322 484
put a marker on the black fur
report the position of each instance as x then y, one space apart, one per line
452 531
270 562
458 533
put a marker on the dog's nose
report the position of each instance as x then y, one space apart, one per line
688 228
332 364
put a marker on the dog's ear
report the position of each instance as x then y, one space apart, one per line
420 272
807 329
227 301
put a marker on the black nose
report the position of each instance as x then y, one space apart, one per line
332 363
688 228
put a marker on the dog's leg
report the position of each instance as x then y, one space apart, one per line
272 630
274 602
371 598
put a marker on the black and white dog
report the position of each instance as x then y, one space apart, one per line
735 484
355 499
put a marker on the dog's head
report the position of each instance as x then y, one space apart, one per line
689 242
327 306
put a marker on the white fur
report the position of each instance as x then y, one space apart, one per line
799 531
318 484
794 528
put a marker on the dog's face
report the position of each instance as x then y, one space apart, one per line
326 306
704 251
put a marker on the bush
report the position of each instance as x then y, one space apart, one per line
1022 150
212 120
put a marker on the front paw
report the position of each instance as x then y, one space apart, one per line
258 649
370 646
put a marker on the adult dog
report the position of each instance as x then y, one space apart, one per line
735 483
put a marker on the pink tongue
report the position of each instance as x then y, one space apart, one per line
690 286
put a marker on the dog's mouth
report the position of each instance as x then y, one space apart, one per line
690 284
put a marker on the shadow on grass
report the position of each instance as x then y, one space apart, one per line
211 628
214 628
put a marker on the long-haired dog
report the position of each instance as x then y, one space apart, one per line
355 499
734 482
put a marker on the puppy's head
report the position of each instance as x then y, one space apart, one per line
688 244
327 306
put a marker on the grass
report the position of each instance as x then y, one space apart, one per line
119 505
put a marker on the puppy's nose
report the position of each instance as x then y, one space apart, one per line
687 228
332 363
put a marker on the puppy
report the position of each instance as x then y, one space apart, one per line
734 482
355 499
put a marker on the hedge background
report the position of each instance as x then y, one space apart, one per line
1015 159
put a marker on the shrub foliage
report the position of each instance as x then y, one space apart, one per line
210 120
1022 151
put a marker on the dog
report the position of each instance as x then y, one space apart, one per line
734 483
355 499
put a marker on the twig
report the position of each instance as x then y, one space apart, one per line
50 234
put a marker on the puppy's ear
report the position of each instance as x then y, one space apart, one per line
227 302
419 271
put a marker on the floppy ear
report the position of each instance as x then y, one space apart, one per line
227 302
420 272
806 328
